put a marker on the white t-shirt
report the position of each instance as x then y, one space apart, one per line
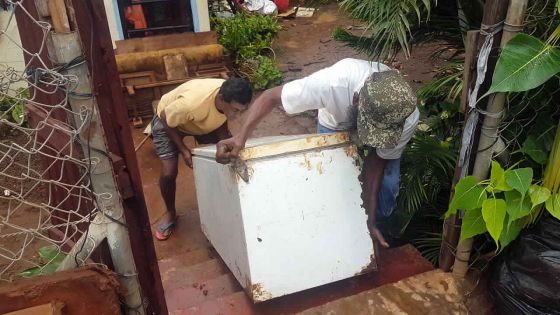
331 90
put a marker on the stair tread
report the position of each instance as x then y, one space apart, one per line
182 298
187 259
178 275
235 304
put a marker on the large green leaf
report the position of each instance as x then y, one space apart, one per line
553 205
473 224
538 194
520 179
51 253
494 213
510 231
525 63
534 150
497 179
518 205
468 195
51 257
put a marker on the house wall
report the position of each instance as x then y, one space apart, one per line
11 54
201 17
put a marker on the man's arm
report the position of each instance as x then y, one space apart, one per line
374 168
229 149
174 135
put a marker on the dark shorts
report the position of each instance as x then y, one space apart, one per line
166 149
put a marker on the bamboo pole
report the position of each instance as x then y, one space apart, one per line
489 132
57 10
452 225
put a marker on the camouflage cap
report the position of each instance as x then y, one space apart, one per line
385 101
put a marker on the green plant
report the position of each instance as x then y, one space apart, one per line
51 257
246 36
501 205
11 107
248 39
261 71
388 23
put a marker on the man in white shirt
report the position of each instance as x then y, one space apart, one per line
367 98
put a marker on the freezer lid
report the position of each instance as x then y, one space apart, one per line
270 146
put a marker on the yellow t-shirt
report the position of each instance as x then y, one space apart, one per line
191 107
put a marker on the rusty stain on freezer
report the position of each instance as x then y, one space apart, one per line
258 294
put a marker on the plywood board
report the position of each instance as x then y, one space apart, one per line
53 308
160 42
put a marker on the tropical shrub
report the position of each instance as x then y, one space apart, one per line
501 205
514 198
248 39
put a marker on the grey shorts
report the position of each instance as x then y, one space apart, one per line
166 148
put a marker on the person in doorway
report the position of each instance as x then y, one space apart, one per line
198 108
367 98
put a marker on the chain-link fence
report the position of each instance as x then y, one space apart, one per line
46 191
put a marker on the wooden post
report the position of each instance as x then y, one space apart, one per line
91 20
98 49
57 10
452 225
484 145
471 42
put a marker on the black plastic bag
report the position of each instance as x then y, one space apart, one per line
527 278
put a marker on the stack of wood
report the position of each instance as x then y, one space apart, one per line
151 66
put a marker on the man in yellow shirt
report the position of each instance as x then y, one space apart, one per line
198 108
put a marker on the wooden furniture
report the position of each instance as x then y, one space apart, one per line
151 66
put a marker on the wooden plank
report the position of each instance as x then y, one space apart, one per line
175 67
160 42
113 111
213 75
84 291
53 308
59 17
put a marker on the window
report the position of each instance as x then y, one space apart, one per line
140 18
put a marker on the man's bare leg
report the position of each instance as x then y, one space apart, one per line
168 187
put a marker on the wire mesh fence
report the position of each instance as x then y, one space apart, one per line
46 194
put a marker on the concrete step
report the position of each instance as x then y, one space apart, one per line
193 294
433 292
393 265
235 304
178 275
187 259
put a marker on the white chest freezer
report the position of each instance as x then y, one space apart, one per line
296 223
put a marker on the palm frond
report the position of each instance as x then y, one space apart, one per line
427 166
389 23
448 82
429 246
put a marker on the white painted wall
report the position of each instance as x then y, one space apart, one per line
11 54
201 17
114 20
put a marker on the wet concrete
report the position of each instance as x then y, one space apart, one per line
433 292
